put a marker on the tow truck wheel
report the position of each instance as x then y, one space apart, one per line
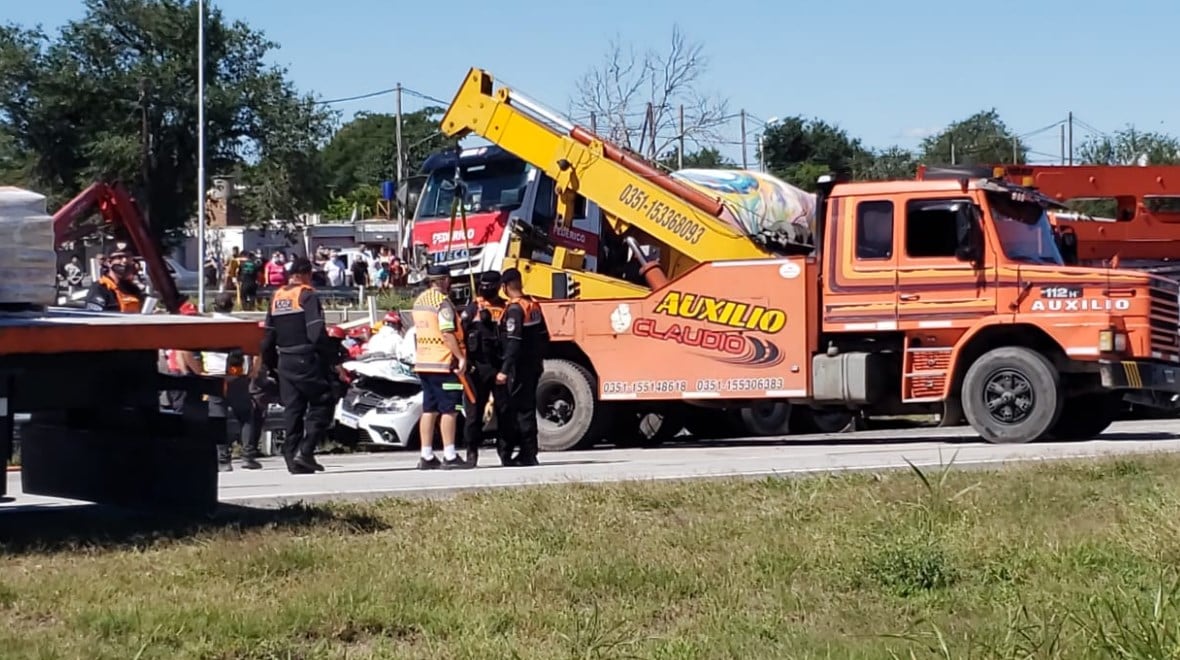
767 418
822 420
1012 395
568 414
1087 416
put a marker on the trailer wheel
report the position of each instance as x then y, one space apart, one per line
767 418
568 414
1087 415
1012 395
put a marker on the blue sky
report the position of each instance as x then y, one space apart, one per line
889 72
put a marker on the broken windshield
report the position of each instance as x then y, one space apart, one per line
1024 230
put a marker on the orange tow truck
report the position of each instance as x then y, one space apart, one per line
90 383
935 295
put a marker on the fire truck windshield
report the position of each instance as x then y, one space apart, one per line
1024 230
491 185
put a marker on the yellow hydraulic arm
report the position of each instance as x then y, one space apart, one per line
632 194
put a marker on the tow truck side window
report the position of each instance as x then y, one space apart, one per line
930 231
874 230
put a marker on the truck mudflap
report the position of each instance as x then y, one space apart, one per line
1139 375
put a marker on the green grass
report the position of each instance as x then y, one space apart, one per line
1073 560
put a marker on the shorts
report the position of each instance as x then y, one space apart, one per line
441 393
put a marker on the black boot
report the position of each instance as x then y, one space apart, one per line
250 461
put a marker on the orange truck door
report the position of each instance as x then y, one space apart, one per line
934 288
861 262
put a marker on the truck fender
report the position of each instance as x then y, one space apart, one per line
992 332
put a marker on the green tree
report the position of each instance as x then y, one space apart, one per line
705 158
1131 147
363 153
800 150
113 95
889 164
981 139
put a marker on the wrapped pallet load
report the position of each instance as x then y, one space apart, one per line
770 211
28 261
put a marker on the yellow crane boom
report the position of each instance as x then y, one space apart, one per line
633 195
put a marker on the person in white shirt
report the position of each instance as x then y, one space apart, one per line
334 270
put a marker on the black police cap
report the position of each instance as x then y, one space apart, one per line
510 276
301 266
489 278
437 271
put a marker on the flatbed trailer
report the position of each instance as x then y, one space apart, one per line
91 383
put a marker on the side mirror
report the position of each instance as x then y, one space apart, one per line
968 233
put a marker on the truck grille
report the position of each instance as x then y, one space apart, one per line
1165 319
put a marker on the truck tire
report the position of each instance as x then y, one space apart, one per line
1012 395
766 418
822 420
568 411
1087 416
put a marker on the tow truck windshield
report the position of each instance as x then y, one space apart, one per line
491 185
1024 230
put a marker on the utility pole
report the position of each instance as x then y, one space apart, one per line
651 127
145 138
401 175
201 154
953 151
1063 144
745 164
1015 151
1071 137
594 123
680 154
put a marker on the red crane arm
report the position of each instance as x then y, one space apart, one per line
118 208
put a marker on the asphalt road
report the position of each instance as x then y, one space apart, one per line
368 476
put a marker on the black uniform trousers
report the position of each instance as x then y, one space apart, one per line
518 421
481 387
307 399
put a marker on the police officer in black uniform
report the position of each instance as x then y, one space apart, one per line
526 338
297 348
480 321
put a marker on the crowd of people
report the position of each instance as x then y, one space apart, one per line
489 352
248 274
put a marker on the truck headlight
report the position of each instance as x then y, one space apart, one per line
1111 341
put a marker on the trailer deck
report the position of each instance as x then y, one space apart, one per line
90 382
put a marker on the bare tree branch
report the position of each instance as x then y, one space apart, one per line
617 92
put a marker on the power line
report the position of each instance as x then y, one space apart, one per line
359 97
